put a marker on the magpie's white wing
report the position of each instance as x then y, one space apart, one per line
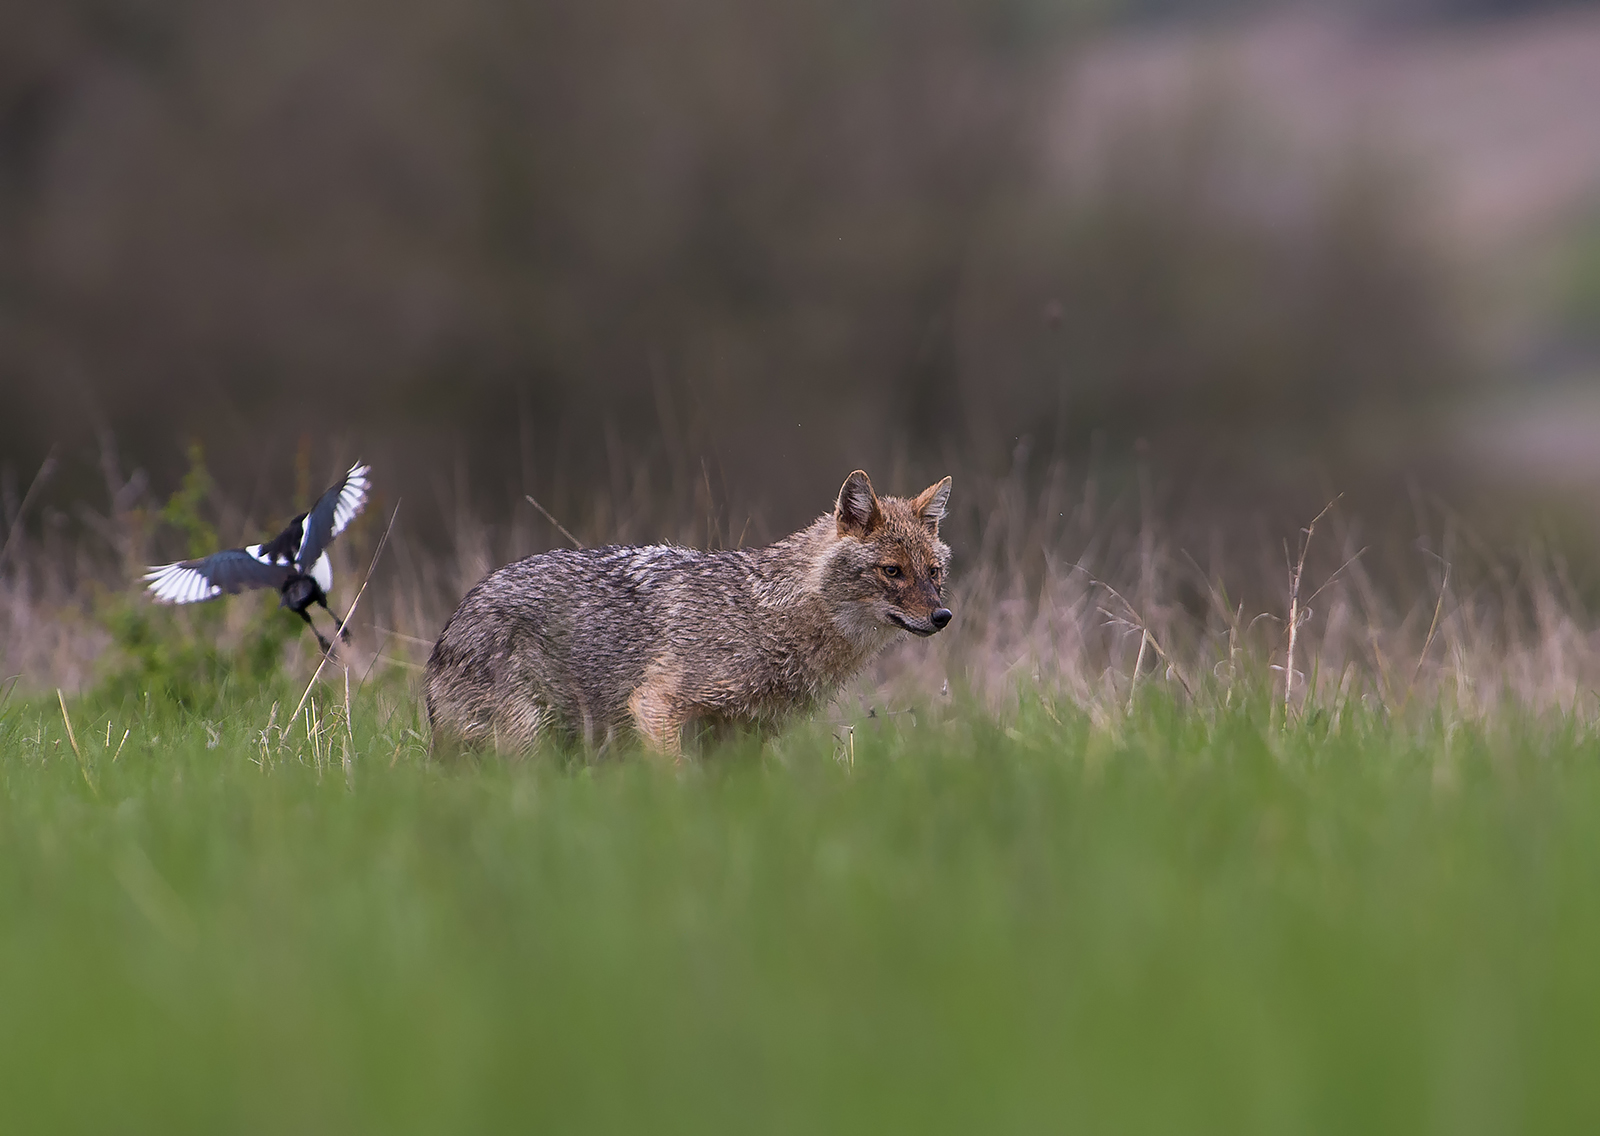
232 570
333 512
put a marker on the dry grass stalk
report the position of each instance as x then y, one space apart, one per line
14 523
72 738
365 580
1296 574
561 528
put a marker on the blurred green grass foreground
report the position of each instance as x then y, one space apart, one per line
1188 919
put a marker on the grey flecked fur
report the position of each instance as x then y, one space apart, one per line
601 643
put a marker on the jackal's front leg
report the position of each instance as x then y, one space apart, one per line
658 715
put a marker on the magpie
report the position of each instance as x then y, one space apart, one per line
295 561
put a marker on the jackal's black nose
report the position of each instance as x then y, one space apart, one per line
939 618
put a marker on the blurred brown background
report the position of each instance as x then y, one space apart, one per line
500 247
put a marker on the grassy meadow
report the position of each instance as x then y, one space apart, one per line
1184 917
1079 863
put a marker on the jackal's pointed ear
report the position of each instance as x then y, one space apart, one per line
929 505
857 510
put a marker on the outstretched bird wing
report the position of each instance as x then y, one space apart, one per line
232 570
332 513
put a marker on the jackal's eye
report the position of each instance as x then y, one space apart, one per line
890 570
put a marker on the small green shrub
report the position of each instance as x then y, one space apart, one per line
189 655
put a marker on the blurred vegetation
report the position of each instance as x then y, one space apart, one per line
184 655
554 242
1404 11
1579 283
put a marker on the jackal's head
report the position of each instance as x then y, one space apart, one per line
888 566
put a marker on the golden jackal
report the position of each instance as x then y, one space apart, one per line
586 643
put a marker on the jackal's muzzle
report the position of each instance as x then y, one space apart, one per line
935 623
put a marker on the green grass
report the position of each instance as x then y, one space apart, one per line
1189 923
